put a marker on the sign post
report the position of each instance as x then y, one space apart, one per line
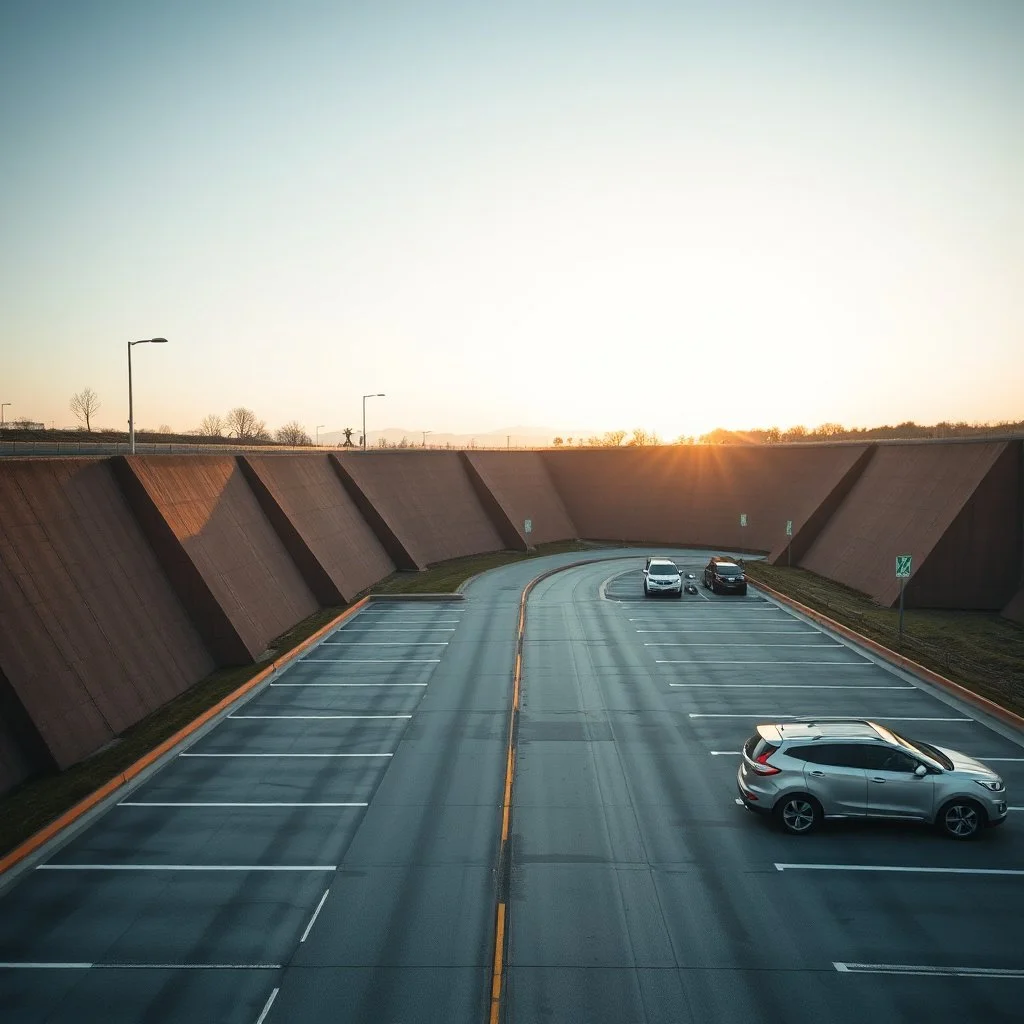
528 526
789 546
902 573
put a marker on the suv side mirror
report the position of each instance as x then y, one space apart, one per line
921 771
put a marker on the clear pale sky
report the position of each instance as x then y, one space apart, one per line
661 214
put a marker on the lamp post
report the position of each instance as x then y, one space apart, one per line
424 433
318 426
131 408
3 405
380 394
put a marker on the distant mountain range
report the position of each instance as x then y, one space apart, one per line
510 437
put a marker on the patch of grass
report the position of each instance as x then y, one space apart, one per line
980 650
33 805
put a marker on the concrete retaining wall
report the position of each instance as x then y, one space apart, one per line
92 637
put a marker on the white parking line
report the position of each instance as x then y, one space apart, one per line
830 718
841 664
348 684
10 965
286 755
382 643
899 868
316 717
153 803
787 686
1014 760
675 643
316 914
187 867
370 661
267 1005
934 972
745 632
409 622
716 753
387 629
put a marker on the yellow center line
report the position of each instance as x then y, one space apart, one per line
499 946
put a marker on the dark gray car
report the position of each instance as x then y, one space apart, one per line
804 771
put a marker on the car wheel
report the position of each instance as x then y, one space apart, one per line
798 814
961 819
679 593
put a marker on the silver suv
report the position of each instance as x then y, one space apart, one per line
804 771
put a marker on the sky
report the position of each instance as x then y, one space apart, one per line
667 215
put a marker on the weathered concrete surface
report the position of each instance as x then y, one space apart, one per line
694 495
92 637
1015 609
903 504
426 500
214 516
522 488
326 526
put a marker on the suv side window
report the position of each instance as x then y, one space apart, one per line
885 759
841 755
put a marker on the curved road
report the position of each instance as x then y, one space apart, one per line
329 852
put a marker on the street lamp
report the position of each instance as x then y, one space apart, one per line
131 410
3 405
424 433
318 426
380 394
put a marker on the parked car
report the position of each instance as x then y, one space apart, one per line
661 576
723 575
802 772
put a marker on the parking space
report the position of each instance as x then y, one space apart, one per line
628 827
217 863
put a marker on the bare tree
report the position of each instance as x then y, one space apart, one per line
292 433
85 405
211 425
613 438
641 438
244 425
772 435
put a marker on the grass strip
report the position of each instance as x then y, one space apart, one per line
34 804
981 651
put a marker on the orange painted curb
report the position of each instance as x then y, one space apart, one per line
982 703
45 834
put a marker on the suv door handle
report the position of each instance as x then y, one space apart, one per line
818 775
878 780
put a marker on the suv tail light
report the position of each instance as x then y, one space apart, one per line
760 763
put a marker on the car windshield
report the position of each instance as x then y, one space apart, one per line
664 569
924 748
728 570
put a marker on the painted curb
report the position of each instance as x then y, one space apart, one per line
69 817
956 689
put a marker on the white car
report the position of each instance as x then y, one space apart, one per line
662 576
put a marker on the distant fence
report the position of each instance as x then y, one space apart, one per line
72 449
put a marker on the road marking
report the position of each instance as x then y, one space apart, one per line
841 664
153 803
388 629
380 643
901 869
368 661
716 753
316 914
266 1006
10 965
1014 760
313 717
286 755
499 944
413 622
745 632
934 972
348 684
787 686
830 718
675 643
186 867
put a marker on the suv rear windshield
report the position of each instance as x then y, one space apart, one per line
728 570
758 745
663 569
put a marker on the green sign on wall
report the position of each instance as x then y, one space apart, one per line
902 567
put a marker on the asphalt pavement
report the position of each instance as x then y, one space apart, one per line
329 852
